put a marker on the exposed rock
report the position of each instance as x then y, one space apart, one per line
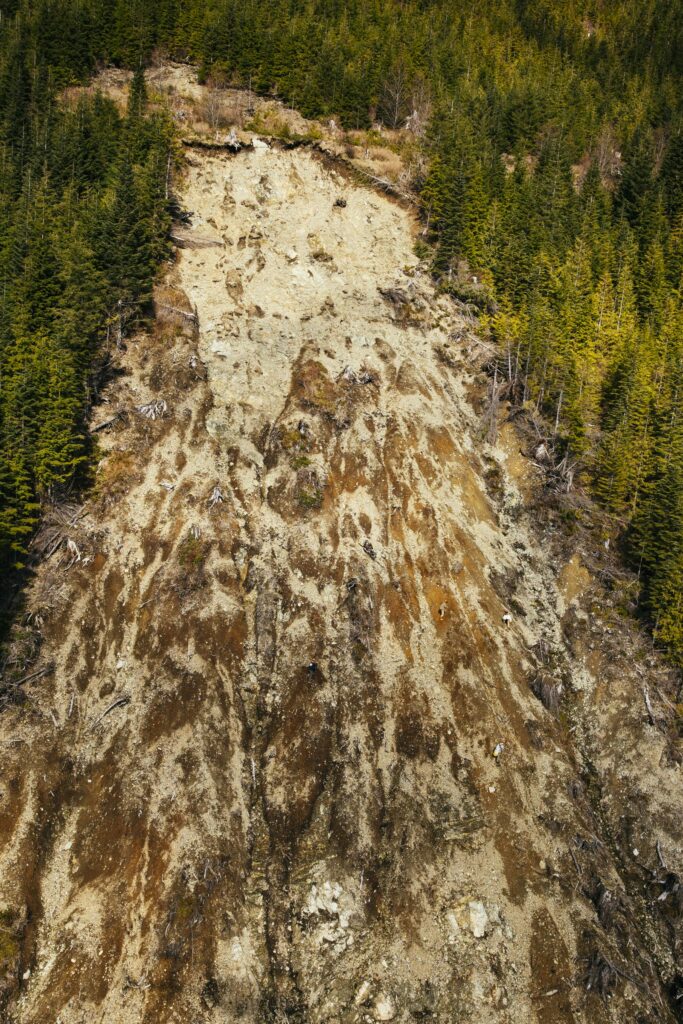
479 919
363 993
384 1008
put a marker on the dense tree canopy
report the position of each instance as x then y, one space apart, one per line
555 148
82 209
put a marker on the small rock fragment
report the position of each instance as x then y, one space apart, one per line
362 993
453 925
384 1008
479 919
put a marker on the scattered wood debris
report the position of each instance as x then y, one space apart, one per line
217 497
369 550
153 410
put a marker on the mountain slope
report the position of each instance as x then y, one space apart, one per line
288 760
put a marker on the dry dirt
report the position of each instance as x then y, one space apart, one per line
290 761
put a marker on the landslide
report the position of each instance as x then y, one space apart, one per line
326 719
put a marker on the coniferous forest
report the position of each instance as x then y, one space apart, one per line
553 171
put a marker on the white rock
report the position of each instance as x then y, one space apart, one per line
236 950
452 922
479 919
362 993
385 1008
494 914
259 144
26 975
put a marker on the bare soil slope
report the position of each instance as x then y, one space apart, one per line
321 738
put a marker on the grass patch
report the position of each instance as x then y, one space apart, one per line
292 440
192 553
271 123
310 497
115 476
9 943
316 390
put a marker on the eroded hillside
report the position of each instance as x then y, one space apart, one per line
324 732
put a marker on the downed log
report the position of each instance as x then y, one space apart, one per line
45 671
390 187
106 423
120 702
184 242
192 317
